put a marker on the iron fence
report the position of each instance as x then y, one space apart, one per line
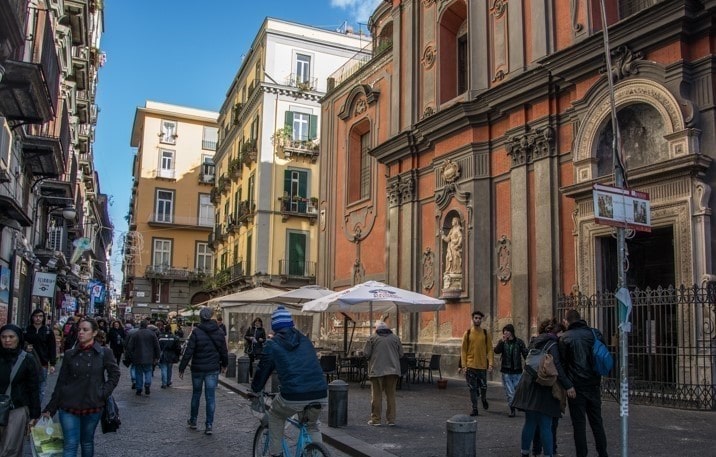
672 343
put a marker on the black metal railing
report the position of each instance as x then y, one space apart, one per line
672 350
302 268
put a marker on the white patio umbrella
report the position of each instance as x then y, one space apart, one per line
374 296
302 294
257 294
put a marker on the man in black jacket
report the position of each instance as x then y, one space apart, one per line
512 350
207 352
40 340
585 401
143 351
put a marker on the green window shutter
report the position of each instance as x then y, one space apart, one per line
286 181
312 127
288 119
303 183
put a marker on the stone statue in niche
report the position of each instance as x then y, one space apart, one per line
452 275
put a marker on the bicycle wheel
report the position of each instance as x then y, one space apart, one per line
261 441
315 450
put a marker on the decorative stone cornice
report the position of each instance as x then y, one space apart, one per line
401 189
358 100
531 146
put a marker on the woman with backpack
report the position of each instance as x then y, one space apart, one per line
536 399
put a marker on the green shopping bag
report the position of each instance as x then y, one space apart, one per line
47 438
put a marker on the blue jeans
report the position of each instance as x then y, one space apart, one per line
133 373
78 431
509 382
533 421
209 380
143 375
166 369
43 383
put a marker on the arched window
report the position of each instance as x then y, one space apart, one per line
642 131
453 54
359 162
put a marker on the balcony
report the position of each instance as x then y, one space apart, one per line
296 268
29 90
235 168
13 16
214 195
226 277
167 272
206 175
296 148
249 152
209 145
246 212
86 161
46 147
80 66
198 222
301 83
295 206
223 184
164 173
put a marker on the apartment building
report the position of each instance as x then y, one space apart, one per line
166 255
55 224
266 192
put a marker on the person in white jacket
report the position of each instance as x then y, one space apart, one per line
383 351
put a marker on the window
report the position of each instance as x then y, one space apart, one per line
162 253
166 164
206 211
303 125
296 247
204 258
359 163
5 144
364 166
461 64
303 68
207 168
168 132
295 188
254 134
250 189
164 206
209 138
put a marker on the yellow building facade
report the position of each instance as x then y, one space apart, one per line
166 252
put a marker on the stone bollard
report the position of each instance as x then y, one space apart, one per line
231 367
338 403
461 432
242 370
275 385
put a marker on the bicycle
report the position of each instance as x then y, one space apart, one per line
304 447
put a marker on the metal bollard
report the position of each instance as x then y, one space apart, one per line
275 385
338 403
231 367
242 370
461 432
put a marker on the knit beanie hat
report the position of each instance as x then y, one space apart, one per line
281 318
205 313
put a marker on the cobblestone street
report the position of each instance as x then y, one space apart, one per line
155 425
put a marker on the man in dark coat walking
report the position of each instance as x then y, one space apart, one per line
207 352
585 401
143 351
40 340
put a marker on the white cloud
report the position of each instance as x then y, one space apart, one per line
360 10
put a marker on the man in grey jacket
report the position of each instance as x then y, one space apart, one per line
383 351
143 351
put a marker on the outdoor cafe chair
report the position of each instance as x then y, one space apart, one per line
432 365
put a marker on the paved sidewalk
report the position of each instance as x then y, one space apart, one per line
423 409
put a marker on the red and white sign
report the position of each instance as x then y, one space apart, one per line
622 208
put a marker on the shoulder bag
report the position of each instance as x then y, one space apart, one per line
6 399
110 414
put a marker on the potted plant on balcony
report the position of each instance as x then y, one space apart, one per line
282 137
235 168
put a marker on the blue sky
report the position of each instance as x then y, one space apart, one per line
185 54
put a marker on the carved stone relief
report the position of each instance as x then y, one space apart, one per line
361 106
358 272
428 3
630 92
359 223
504 259
533 145
429 56
401 189
574 6
428 269
428 111
625 62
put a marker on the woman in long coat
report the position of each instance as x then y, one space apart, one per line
536 400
